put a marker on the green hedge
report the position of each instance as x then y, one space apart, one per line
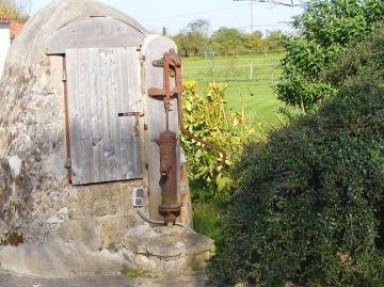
309 204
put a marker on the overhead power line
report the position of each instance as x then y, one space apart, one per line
290 3
194 14
266 25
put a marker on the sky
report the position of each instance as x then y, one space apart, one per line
176 14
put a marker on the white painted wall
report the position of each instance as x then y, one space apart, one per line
5 42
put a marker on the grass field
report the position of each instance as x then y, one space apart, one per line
250 79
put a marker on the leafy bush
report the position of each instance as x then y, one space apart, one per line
325 28
207 118
309 205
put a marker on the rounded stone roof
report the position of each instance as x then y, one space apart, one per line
30 45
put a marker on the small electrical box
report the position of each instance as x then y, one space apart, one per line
138 197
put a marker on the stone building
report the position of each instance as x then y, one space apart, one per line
78 156
8 31
5 40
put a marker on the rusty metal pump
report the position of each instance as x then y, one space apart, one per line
169 207
167 141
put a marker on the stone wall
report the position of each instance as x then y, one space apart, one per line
36 198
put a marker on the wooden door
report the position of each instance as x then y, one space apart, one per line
102 85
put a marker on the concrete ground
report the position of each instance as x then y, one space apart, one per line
177 279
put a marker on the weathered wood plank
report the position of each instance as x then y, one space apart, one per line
130 98
94 107
134 106
84 98
113 94
74 115
105 151
118 101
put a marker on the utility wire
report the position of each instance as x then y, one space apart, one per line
281 3
194 14
280 24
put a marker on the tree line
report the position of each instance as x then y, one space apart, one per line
195 39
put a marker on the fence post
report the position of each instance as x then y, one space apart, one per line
250 72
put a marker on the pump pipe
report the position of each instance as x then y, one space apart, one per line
176 63
146 218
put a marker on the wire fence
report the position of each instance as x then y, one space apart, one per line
254 66
206 53
227 73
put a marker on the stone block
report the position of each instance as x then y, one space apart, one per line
165 249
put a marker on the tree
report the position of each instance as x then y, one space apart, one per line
258 34
15 10
164 31
194 37
227 40
253 41
273 40
199 26
325 28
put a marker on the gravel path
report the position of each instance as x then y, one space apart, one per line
195 279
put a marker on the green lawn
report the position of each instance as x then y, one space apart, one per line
250 80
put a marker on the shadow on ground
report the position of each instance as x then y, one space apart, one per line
177 279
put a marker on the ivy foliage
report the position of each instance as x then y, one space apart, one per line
325 28
309 203
206 117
